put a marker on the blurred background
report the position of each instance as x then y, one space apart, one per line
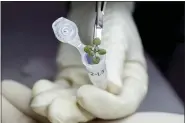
161 27
29 47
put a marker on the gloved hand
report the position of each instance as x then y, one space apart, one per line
15 109
72 98
69 99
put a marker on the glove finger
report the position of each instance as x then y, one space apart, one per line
41 102
100 103
64 110
114 40
11 114
122 42
45 85
19 96
106 105
114 67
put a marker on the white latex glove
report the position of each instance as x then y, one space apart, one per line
73 99
16 104
15 109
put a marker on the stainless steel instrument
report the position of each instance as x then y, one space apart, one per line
100 8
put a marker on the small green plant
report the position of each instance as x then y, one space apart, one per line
94 50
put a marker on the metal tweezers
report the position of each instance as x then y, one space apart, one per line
100 8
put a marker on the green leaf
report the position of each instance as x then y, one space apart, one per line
102 51
96 41
90 47
96 60
91 53
87 48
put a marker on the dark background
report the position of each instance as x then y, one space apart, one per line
161 27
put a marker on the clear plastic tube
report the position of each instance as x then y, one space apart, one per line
66 31
97 72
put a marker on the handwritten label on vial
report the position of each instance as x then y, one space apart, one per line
97 74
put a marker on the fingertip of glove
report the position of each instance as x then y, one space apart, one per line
41 86
82 93
41 110
114 88
56 111
85 88
40 102
65 111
